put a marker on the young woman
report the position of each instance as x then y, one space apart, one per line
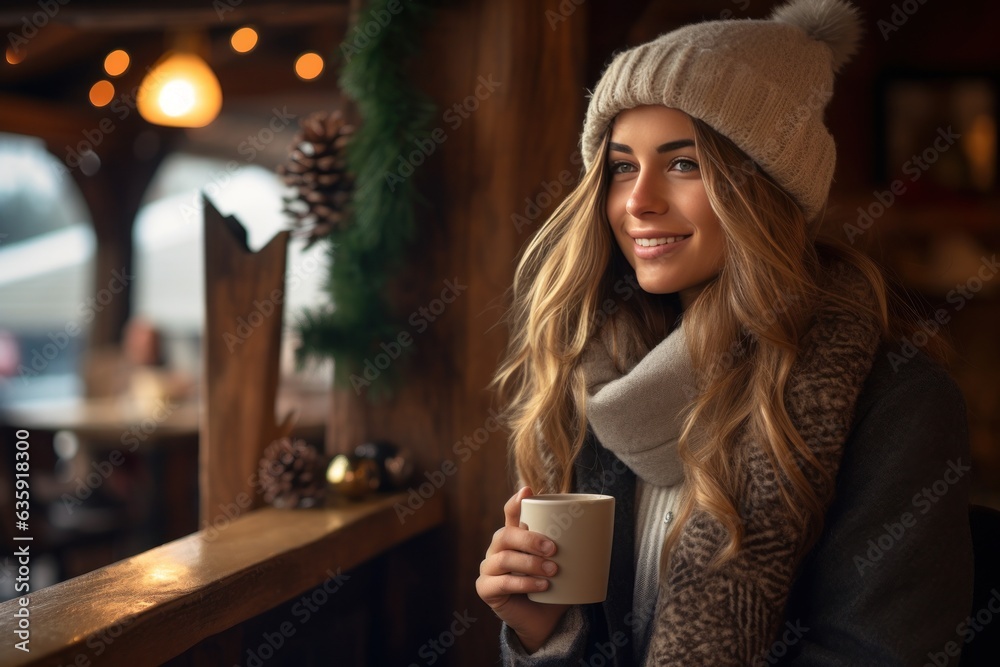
681 339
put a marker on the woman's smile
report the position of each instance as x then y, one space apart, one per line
658 246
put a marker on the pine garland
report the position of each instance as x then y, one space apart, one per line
368 251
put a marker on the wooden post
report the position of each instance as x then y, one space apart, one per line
528 70
244 296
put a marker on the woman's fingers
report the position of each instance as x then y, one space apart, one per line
520 539
514 536
495 589
512 508
508 561
517 561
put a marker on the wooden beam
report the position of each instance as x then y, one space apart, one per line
109 15
152 607
57 124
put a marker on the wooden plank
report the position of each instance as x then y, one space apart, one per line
244 297
152 607
109 15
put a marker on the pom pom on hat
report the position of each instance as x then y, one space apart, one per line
833 22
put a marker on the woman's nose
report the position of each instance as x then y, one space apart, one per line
647 197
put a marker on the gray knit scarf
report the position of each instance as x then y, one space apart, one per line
730 615
637 412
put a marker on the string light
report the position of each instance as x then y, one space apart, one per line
117 62
101 93
244 40
309 66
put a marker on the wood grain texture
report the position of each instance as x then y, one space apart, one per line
244 295
152 607
502 149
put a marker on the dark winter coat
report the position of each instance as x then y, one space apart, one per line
890 580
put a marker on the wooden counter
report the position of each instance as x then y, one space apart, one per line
103 420
154 606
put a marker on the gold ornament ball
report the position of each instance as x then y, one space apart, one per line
395 463
352 477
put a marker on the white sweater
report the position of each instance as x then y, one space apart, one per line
655 510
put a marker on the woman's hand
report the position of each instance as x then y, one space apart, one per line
516 564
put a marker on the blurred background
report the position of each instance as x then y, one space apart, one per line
101 267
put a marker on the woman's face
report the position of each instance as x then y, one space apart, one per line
657 204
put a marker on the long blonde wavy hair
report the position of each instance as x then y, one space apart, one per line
743 333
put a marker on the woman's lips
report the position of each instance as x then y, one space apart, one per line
650 248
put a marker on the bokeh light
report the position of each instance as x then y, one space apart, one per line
309 65
15 56
101 93
243 40
116 63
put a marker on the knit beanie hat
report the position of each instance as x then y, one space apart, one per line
762 83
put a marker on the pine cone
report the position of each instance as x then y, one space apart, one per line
316 168
292 474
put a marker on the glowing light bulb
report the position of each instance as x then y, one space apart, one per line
177 98
180 91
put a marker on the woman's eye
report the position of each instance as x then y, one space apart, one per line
685 165
620 167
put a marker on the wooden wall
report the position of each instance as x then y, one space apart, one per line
521 136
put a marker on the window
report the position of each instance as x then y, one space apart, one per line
47 252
